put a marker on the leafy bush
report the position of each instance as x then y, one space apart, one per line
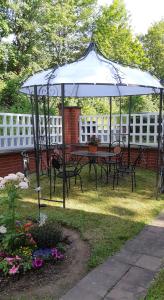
48 235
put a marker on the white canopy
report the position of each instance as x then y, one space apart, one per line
92 76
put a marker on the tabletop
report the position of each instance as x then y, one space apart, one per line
96 154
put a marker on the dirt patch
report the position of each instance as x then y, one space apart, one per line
52 281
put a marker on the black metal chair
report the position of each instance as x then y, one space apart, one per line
125 169
109 165
72 171
25 160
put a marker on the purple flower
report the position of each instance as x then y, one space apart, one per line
3 254
56 254
37 263
42 252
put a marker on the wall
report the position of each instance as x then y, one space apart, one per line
11 162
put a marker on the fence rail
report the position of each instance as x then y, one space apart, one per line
16 130
143 128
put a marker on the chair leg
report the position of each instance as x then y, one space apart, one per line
114 178
117 177
135 180
67 186
81 185
54 180
132 177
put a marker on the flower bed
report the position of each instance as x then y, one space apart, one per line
25 245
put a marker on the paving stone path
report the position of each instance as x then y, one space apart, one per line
128 274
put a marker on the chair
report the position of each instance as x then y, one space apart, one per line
130 169
111 163
25 159
72 171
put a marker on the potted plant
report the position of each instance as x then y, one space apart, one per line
93 143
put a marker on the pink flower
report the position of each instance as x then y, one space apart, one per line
14 270
37 263
10 260
17 257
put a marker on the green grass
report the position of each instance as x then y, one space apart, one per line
104 217
156 291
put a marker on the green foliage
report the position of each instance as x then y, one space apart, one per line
156 291
4 266
140 104
45 33
114 36
48 33
48 235
10 203
153 43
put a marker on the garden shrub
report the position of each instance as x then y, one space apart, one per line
48 235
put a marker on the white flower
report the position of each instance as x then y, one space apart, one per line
38 189
43 218
26 180
2 186
20 175
1 178
3 229
23 185
11 177
6 179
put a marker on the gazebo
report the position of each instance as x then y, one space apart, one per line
92 75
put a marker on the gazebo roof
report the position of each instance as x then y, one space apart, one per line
92 75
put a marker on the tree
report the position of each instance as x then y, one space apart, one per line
153 43
114 36
45 33
68 27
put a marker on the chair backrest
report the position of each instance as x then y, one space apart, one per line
26 167
55 162
118 147
138 158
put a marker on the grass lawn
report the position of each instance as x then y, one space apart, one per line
156 291
106 218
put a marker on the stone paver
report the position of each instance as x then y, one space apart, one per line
149 262
128 274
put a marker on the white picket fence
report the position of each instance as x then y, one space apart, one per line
143 128
16 130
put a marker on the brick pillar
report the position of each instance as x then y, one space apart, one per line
71 119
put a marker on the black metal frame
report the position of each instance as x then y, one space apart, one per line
160 158
36 99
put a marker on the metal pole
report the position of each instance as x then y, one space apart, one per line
37 152
159 142
63 145
130 104
49 142
46 133
120 121
110 141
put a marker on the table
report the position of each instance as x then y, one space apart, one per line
92 158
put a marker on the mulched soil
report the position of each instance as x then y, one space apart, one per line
53 280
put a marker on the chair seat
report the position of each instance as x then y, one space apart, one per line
69 174
125 169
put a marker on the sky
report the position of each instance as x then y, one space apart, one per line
143 12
